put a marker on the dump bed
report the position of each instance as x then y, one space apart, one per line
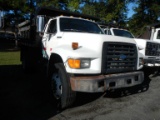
52 12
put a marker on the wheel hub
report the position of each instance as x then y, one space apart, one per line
56 86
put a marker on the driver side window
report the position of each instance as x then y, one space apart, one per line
52 28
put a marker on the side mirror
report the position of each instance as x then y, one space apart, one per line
40 23
1 19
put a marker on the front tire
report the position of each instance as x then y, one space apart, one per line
61 87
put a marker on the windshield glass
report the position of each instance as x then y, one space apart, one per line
122 33
158 35
78 25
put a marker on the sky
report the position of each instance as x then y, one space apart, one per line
130 12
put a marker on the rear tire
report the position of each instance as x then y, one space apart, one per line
61 87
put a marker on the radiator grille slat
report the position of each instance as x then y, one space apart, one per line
124 52
119 57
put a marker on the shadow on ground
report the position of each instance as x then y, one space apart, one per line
24 96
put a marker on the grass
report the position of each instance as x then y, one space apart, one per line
9 55
10 58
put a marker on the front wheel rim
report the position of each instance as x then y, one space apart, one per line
56 86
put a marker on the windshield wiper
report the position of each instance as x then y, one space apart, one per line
74 30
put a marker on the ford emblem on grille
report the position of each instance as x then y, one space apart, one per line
122 57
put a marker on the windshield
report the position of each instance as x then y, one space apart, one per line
78 25
122 33
158 35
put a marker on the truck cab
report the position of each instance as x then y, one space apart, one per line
118 32
156 36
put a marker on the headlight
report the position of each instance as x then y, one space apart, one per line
141 61
78 63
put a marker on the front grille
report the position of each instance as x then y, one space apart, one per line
118 57
152 49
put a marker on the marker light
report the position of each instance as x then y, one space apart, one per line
75 45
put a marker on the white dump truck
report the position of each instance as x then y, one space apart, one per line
150 49
78 55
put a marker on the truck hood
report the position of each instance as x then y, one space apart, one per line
95 38
89 44
142 42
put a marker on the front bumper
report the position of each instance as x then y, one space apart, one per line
151 62
101 83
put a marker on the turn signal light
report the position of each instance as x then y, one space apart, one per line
74 63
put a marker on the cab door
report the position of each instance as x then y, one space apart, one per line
50 31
